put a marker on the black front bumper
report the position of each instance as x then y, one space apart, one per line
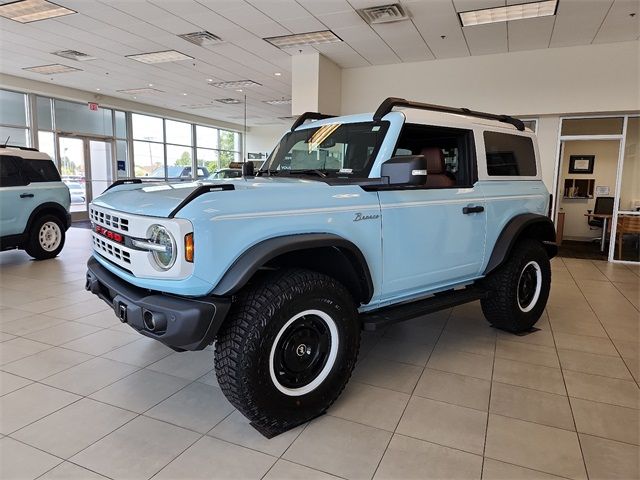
181 323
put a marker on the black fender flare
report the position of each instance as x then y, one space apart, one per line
261 253
526 225
59 210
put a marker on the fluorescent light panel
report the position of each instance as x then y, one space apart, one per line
300 39
52 69
141 91
229 101
160 57
26 11
509 13
282 101
236 84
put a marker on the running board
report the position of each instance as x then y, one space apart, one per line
399 313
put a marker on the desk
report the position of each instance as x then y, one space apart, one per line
605 224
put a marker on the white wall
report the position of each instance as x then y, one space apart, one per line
263 139
590 78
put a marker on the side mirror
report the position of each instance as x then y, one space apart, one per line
405 170
247 169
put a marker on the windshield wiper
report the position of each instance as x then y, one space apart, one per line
310 171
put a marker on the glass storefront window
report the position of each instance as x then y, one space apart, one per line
77 118
45 120
206 137
208 159
121 124
14 108
14 136
46 143
178 161
148 159
627 243
147 128
592 126
178 133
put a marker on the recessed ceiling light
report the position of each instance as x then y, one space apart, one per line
228 101
151 84
300 39
202 38
282 101
26 11
97 89
277 74
52 69
235 84
184 94
209 79
160 57
74 55
509 13
239 90
141 91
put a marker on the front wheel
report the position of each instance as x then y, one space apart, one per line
519 289
46 238
287 349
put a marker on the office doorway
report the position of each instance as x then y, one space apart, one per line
597 196
86 167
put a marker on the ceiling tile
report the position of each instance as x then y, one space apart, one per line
619 25
486 39
578 21
530 33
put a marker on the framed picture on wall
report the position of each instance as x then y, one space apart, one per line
581 163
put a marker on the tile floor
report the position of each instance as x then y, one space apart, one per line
446 396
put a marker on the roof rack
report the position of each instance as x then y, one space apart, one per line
387 106
309 116
31 149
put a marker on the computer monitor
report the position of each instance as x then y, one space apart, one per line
604 206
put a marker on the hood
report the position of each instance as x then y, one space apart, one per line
159 199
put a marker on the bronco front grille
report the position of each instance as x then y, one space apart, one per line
111 251
109 220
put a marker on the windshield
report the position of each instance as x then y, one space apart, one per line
338 148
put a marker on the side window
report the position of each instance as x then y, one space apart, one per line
10 175
509 155
449 153
40 170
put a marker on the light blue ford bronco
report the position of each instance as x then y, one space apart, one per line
354 222
34 203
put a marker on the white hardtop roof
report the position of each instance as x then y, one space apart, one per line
24 153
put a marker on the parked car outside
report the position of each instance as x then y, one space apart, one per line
354 222
226 173
34 203
179 172
77 192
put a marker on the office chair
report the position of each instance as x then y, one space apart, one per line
603 206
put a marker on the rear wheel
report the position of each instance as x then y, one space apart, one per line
46 237
519 289
287 349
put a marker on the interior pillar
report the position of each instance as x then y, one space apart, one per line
316 85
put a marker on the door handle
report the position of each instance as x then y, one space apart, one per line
26 195
473 209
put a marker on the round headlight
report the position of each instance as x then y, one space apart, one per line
161 236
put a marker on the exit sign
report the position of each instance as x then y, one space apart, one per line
93 106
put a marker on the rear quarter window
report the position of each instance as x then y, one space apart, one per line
40 170
509 155
10 174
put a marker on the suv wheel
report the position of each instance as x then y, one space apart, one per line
287 349
46 238
519 289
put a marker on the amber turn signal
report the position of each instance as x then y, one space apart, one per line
188 247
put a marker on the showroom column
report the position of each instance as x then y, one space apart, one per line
316 85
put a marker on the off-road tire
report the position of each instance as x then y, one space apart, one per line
35 247
502 307
254 329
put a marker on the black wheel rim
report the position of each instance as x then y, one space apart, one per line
528 285
302 351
